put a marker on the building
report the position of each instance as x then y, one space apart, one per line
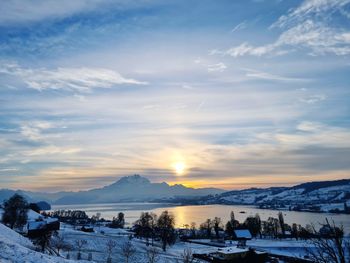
241 235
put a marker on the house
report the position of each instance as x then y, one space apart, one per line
241 235
41 226
37 224
232 254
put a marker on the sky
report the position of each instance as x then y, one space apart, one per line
228 94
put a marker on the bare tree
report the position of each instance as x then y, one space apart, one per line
111 244
128 250
330 247
217 225
152 254
166 228
80 243
44 239
58 242
187 256
207 225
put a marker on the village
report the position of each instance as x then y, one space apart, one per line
72 235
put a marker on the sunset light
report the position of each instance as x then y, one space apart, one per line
179 168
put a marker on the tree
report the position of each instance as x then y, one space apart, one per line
145 226
34 207
193 229
217 225
165 225
80 243
119 221
253 223
58 242
330 249
152 254
295 232
229 229
281 221
111 244
44 240
153 224
207 225
128 250
187 256
15 211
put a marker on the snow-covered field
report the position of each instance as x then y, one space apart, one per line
15 248
97 245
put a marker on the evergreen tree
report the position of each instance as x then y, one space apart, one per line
15 211
281 220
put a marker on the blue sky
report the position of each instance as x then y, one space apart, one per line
236 93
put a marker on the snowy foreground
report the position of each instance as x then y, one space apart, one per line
16 248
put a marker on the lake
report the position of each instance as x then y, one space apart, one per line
198 214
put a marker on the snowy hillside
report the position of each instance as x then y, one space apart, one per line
332 196
15 248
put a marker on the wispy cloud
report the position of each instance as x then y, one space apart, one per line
240 26
313 98
308 26
73 79
268 76
219 67
309 9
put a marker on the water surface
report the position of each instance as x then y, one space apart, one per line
198 214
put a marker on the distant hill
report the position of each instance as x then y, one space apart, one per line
127 189
325 196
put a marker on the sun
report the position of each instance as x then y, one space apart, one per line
179 168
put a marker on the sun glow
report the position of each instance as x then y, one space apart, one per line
179 168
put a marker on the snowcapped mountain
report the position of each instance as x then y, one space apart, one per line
127 189
329 196
135 188
326 196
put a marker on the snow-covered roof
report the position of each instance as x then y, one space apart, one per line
243 233
232 250
32 215
33 225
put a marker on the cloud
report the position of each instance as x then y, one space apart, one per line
73 79
268 76
317 37
240 26
310 8
309 126
33 131
15 11
308 26
53 150
313 98
219 67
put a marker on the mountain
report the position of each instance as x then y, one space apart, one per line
325 196
133 188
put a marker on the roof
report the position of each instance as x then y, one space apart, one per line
34 225
242 233
232 250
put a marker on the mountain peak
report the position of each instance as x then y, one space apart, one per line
133 179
